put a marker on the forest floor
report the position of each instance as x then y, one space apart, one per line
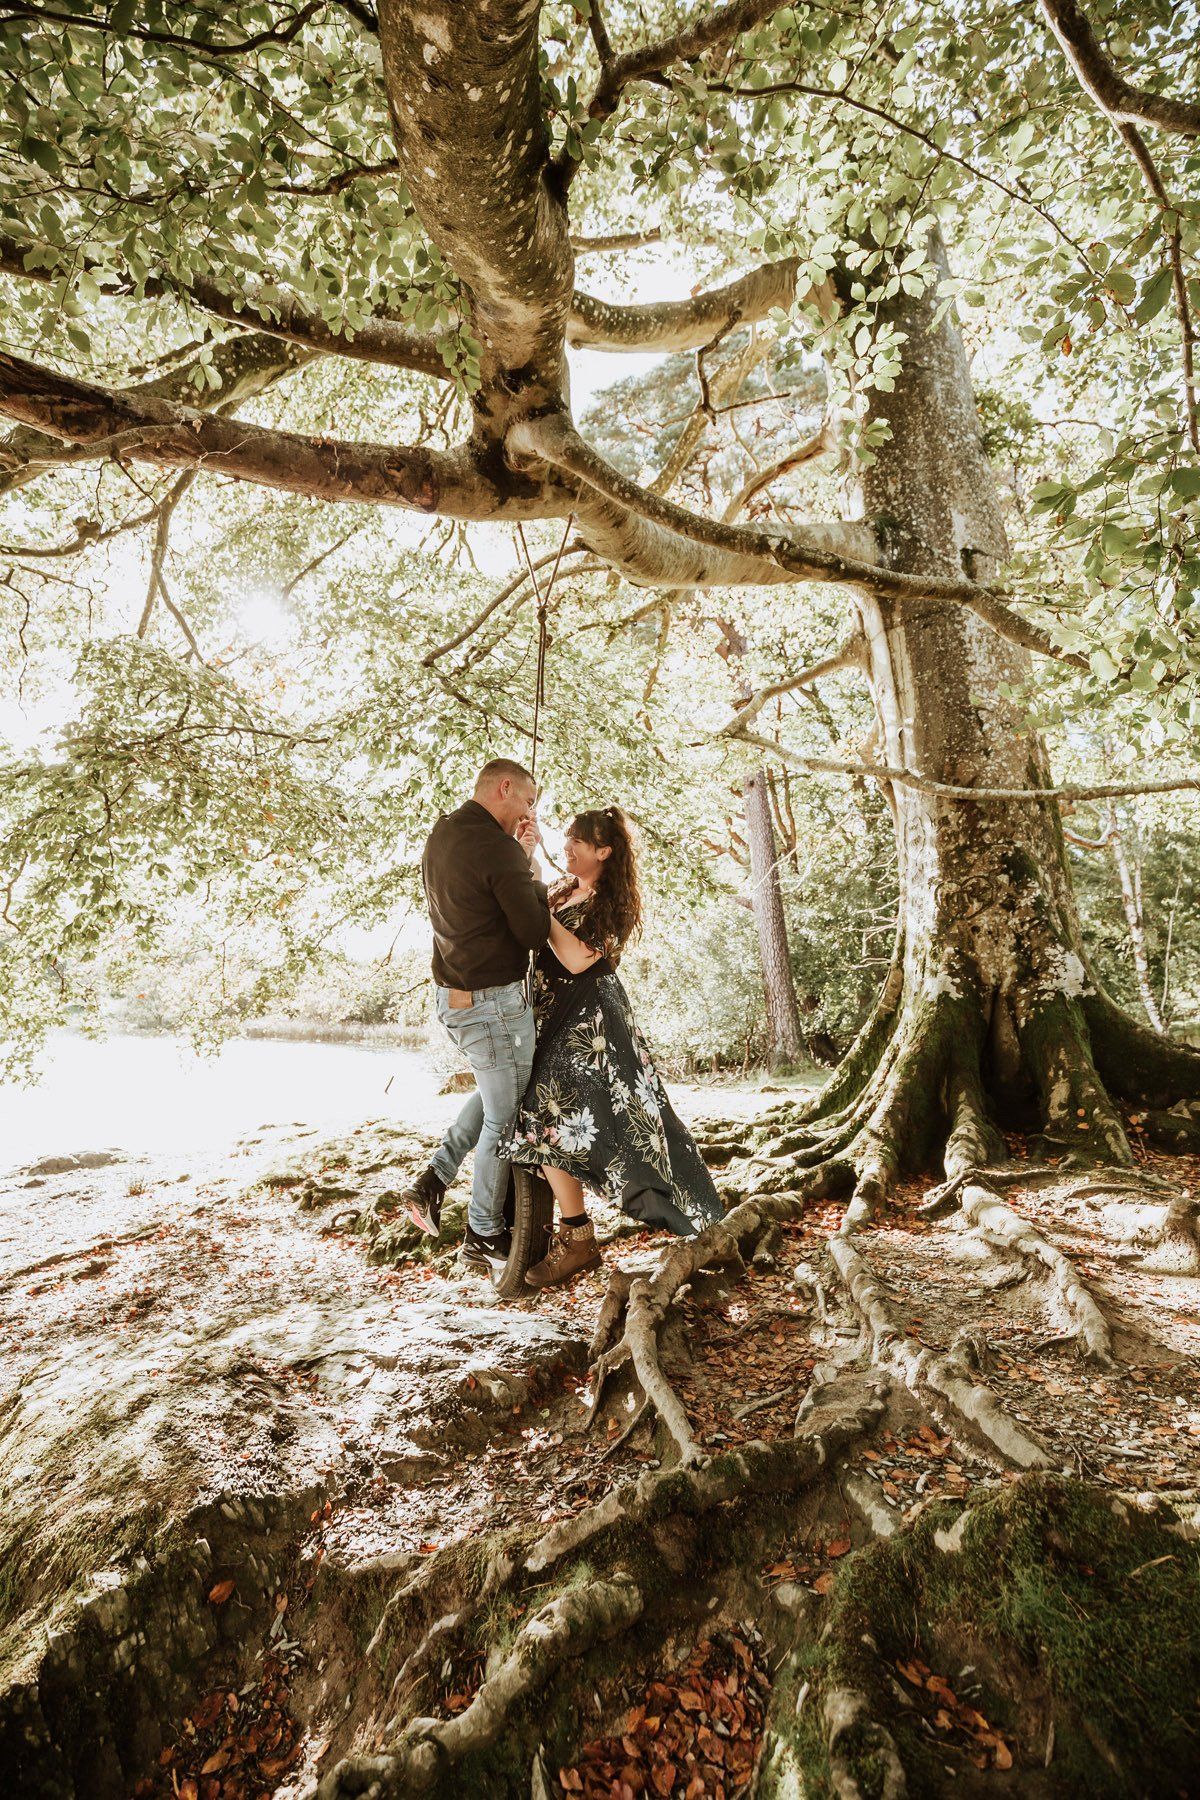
280 1479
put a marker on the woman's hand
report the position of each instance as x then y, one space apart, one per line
574 955
529 837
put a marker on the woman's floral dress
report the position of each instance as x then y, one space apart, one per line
595 1105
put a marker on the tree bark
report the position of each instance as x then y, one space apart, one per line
1129 874
779 988
992 1005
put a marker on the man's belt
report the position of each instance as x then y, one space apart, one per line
460 998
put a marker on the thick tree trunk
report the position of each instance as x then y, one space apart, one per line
766 894
989 1014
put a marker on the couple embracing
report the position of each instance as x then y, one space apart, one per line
567 1084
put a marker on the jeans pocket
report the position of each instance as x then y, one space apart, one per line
475 1039
510 1002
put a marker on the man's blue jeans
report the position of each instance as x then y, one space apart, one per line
496 1036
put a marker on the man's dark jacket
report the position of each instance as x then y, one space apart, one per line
488 912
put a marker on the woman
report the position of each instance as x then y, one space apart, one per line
595 1113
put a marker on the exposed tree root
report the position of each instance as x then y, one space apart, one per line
566 1627
1000 1225
973 1140
843 1413
847 1714
1134 1061
642 1319
1079 1118
645 1300
1179 1242
582 1616
935 1377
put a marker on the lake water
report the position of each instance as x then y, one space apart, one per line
154 1095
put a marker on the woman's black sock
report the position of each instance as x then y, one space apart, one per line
576 1222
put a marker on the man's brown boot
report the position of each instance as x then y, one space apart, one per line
572 1250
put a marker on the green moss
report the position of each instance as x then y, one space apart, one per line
800 1734
1100 1614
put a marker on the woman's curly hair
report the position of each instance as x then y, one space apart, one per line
615 913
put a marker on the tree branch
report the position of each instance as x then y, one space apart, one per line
716 27
851 655
739 555
691 324
457 483
821 440
280 34
615 240
279 314
1172 223
158 555
1107 86
944 790
724 386
506 592
246 366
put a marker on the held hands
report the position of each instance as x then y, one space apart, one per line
529 837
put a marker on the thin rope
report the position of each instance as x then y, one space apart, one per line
543 603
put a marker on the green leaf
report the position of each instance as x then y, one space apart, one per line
1154 297
1120 284
42 153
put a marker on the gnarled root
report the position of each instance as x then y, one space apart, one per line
566 1627
1134 1061
933 1376
848 1716
1000 1225
646 1299
781 1467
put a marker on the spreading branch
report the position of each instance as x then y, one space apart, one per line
851 655
480 619
1077 26
945 790
717 27
616 240
282 315
1107 86
148 429
200 47
244 366
655 541
692 324
158 554
821 440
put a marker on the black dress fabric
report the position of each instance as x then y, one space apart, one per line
595 1104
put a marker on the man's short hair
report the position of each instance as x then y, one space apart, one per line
501 768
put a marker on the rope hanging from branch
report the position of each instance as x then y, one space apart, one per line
543 606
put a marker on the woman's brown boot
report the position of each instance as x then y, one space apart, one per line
573 1248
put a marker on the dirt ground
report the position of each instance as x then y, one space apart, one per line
256 1436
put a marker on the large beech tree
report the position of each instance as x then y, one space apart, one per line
461 267
209 214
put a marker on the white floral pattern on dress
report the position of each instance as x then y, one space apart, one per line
597 1107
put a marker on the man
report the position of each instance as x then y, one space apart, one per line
488 910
